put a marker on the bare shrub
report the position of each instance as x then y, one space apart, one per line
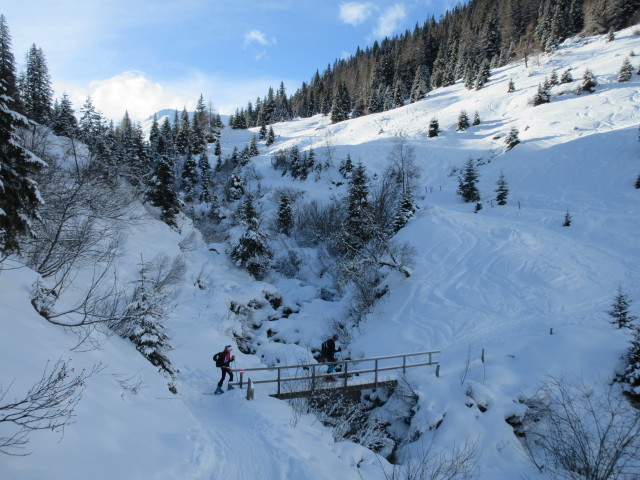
457 464
579 431
316 223
48 405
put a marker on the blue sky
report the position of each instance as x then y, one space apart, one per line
146 55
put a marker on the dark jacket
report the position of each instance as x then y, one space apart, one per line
330 350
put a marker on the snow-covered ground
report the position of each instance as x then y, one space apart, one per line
495 281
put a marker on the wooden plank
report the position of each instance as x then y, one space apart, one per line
337 389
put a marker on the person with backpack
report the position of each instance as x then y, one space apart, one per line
223 360
329 352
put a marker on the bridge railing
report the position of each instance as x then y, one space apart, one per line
346 371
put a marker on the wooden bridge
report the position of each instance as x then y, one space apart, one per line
295 381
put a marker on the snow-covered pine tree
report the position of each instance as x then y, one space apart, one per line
637 184
589 82
631 374
189 178
161 189
567 219
144 315
234 188
467 188
626 71
511 140
566 76
476 119
434 128
271 137
357 226
483 74
512 86
63 118
553 78
20 197
619 313
543 95
183 133
341 104
284 222
404 211
463 121
420 86
346 166
502 190
252 251
8 67
36 94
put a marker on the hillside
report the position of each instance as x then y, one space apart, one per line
497 281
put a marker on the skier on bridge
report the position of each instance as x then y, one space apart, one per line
329 352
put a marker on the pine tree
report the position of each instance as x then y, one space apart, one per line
626 71
512 86
619 313
463 121
566 76
284 222
271 137
252 251
341 104
567 219
502 191
404 211
483 74
553 78
36 94
63 118
183 133
631 374
420 86
467 188
253 147
189 178
637 184
589 82
358 226
511 140
346 167
434 128
148 332
161 191
543 95
20 197
476 119
8 67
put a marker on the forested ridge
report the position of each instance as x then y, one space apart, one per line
462 45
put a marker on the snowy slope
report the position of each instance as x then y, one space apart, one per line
497 280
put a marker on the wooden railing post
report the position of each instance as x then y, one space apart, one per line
313 377
241 375
375 381
346 365
279 370
404 364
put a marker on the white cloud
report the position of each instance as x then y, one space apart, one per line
389 21
256 36
141 96
135 93
354 13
